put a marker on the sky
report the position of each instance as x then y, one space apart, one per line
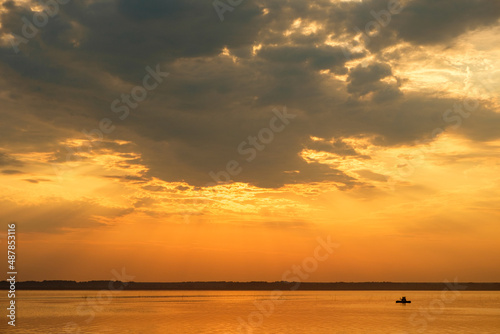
192 140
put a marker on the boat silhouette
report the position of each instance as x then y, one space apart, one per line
403 300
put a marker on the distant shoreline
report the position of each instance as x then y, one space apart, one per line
250 286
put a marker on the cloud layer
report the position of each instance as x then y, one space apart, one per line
350 72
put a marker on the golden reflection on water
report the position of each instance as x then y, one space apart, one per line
255 312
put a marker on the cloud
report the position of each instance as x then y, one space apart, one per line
126 178
317 58
11 172
58 215
35 181
367 79
441 21
8 160
420 22
225 80
371 175
336 146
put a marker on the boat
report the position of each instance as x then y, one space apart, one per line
403 301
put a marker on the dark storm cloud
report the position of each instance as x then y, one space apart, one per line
34 63
69 74
371 175
155 9
121 36
337 147
420 22
318 58
437 21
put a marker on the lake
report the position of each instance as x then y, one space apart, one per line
214 312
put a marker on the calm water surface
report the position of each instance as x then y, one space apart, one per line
217 312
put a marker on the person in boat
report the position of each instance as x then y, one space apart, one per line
403 299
